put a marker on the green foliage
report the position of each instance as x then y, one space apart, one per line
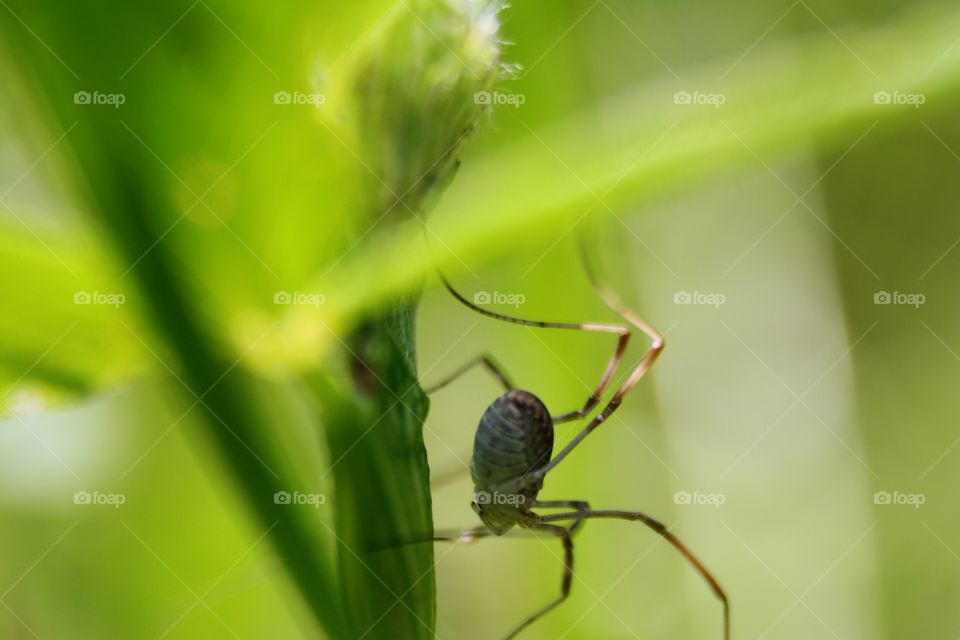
408 128
409 97
640 146
208 200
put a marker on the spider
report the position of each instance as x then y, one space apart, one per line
513 450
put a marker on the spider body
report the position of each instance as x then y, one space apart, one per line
513 451
514 438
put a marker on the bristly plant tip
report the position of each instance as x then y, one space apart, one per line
406 102
412 96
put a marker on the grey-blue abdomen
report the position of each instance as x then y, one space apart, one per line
515 436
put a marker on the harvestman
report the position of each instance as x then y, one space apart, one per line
513 450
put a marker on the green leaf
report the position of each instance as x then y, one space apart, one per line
66 333
642 145
157 176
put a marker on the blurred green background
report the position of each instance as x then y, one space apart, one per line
773 185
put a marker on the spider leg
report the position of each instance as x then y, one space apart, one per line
487 361
623 338
661 529
564 534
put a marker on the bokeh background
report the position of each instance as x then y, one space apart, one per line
799 431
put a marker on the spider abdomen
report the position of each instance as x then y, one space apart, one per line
514 437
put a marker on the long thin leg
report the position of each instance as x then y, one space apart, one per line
464 536
567 580
612 300
622 340
660 528
487 361
455 536
656 347
598 419
582 506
